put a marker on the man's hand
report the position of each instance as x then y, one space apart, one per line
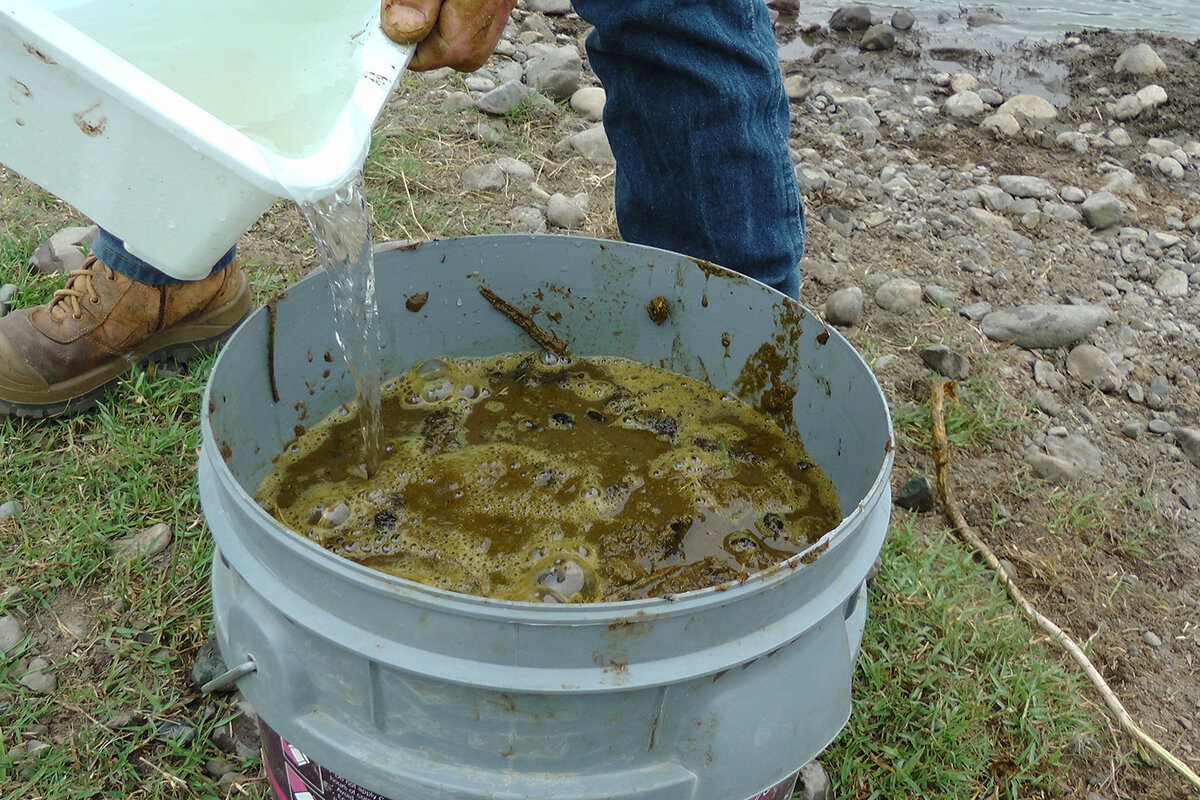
448 33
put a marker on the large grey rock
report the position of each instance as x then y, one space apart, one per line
1151 96
63 251
812 179
944 361
1140 59
1062 212
39 677
1092 366
516 168
484 178
1103 210
987 15
556 74
903 20
1123 182
11 633
1061 471
1172 283
567 212
796 87
877 37
209 665
1027 186
1188 440
1001 124
845 306
855 17
1044 325
7 292
1170 167
859 108
963 82
1077 449
527 219
1029 108
551 7
993 197
899 295
963 105
838 219
1127 107
593 145
504 99
146 543
588 102
813 783
986 220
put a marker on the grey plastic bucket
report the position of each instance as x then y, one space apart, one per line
414 692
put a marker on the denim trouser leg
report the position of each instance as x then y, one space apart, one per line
111 251
698 122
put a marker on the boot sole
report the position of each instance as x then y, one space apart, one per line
178 344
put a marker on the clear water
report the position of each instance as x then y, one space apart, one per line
339 225
280 73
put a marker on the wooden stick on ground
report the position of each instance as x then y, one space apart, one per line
941 458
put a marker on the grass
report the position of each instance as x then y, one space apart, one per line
1083 516
123 670
954 695
979 417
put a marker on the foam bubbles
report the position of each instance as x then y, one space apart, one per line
537 478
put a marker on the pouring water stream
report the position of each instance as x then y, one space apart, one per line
339 225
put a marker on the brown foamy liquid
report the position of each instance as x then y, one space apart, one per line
537 478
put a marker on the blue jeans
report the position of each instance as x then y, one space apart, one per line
698 122
111 251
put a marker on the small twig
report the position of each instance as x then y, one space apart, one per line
412 210
58 621
271 346
545 339
941 458
177 782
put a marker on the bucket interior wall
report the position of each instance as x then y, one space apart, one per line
412 691
592 294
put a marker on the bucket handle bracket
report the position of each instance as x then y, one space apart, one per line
230 677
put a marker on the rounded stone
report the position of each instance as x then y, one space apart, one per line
1092 366
1030 108
11 633
1103 210
845 306
1140 59
588 102
899 295
963 105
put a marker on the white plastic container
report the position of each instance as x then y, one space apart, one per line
179 185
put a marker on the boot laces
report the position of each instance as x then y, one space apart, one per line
79 284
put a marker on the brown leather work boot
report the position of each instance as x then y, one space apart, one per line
62 356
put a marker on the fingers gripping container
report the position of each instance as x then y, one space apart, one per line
175 182
410 692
